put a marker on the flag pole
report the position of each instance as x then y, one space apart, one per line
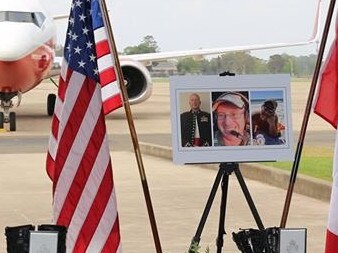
298 153
131 127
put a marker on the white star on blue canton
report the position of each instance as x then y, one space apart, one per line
71 21
89 44
74 36
81 64
85 31
78 3
92 58
77 50
82 17
80 48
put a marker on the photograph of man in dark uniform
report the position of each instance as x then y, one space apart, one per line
195 125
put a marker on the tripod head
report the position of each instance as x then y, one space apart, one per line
227 73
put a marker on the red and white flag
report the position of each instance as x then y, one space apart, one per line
327 107
78 160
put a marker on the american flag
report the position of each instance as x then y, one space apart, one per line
78 160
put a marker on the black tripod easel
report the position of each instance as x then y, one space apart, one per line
225 170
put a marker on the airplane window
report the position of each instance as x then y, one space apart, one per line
21 17
36 18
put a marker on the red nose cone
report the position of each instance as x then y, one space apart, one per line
24 74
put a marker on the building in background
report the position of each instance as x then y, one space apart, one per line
164 69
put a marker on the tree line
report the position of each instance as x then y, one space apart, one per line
244 63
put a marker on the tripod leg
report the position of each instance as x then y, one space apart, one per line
197 237
221 224
248 197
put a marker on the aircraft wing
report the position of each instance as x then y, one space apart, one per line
211 51
61 17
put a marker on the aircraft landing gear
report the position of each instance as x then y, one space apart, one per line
6 104
2 120
8 117
51 104
12 121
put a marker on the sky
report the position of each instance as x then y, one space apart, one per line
193 24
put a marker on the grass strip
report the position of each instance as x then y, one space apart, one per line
316 162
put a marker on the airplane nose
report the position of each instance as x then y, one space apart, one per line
16 41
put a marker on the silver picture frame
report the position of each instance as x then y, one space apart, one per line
43 241
292 240
257 90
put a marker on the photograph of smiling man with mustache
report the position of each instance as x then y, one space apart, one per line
231 119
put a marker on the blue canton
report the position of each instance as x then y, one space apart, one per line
85 15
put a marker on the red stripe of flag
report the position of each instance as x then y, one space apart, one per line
113 240
96 212
331 242
50 166
112 103
107 76
102 48
55 126
327 103
72 126
63 84
82 175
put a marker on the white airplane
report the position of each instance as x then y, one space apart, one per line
28 40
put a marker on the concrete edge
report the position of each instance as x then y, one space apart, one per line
305 185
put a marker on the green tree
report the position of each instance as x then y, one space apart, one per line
217 65
206 67
189 65
303 66
288 63
276 64
239 63
147 45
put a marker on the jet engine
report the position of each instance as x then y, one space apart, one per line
137 80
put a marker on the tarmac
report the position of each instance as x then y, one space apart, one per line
178 193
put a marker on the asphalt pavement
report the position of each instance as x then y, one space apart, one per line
179 195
